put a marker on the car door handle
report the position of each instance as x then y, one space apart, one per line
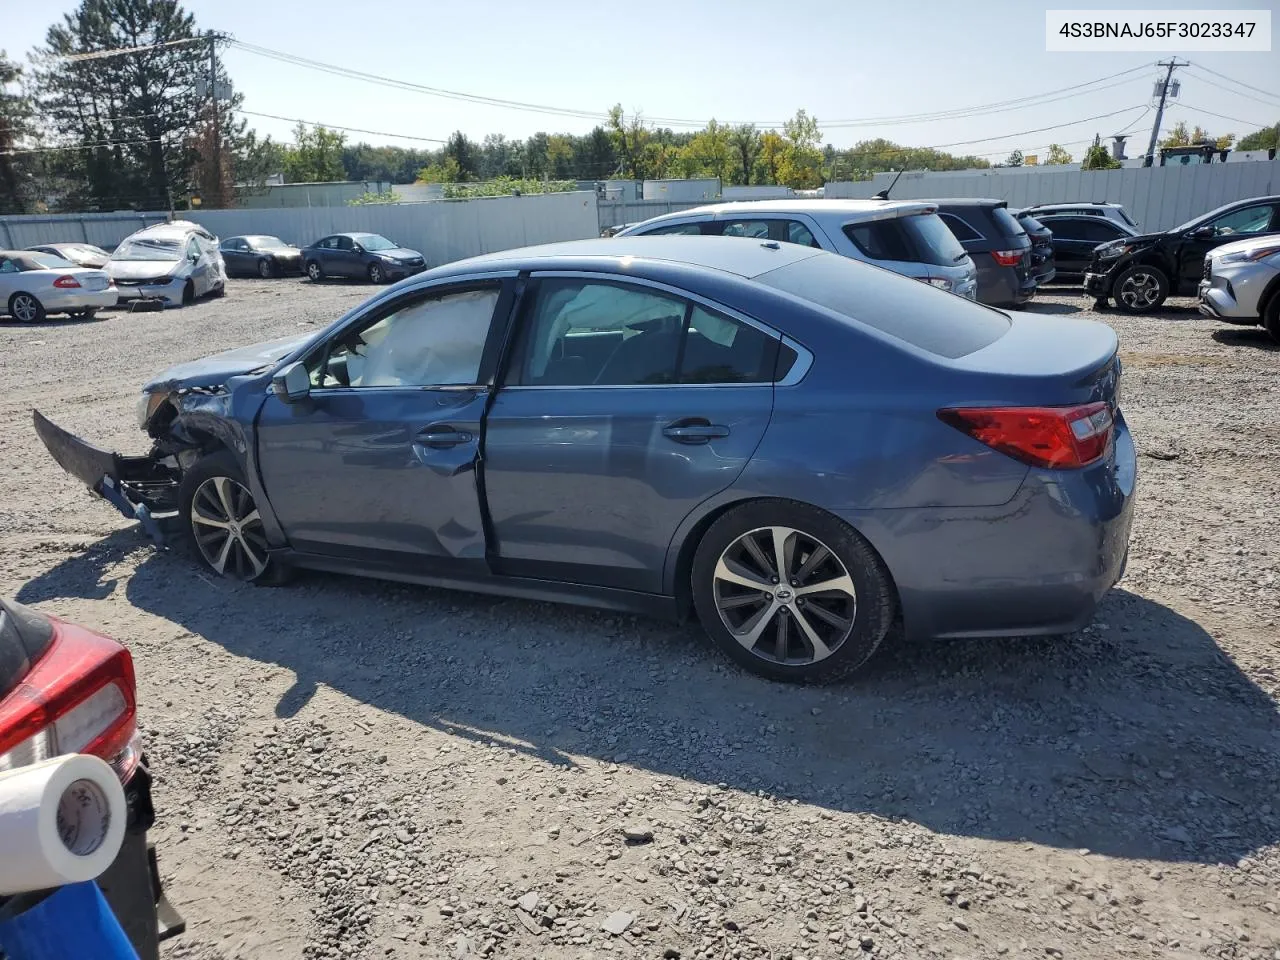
440 437
694 430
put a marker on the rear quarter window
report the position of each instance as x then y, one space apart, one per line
942 324
1006 222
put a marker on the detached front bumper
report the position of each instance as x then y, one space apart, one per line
139 487
1098 284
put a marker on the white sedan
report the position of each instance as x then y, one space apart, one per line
35 284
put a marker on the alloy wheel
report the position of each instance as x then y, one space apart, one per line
1140 289
375 273
228 529
25 307
313 270
264 269
784 595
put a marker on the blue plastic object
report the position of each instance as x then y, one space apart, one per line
74 923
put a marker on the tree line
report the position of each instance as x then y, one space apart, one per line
142 131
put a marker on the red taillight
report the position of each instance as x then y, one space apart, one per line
66 283
1059 437
1007 258
79 697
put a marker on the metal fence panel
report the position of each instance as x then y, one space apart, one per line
1156 197
442 230
614 212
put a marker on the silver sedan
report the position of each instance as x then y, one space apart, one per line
35 284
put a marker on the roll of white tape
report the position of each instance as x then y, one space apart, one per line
61 821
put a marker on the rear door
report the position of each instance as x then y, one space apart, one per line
794 228
626 404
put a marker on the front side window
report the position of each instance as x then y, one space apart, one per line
433 341
345 243
193 249
758 229
1245 221
597 333
675 229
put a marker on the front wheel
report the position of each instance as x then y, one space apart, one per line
25 308
265 270
217 507
314 273
1271 318
376 273
790 592
1140 289
188 293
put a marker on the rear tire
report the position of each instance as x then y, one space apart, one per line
1140 289
774 623
314 272
219 513
26 308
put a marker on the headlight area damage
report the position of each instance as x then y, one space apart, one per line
183 422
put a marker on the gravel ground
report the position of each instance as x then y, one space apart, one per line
355 769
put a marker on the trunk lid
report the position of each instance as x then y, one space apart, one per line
1048 361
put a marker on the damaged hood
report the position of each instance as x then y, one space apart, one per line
142 269
216 370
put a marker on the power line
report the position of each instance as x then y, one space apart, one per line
1241 83
335 126
1237 93
1187 106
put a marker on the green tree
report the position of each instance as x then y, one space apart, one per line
802 160
15 126
131 118
1098 157
630 138
771 157
464 154
1014 159
1265 139
709 153
315 155
1056 156
559 156
745 140
446 171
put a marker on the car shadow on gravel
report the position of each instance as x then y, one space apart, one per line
1046 309
1246 337
1137 738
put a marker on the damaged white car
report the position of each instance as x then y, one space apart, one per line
169 264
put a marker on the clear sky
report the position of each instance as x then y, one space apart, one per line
736 61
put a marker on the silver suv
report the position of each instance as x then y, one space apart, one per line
1242 283
903 236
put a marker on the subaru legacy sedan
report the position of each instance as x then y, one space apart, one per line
798 447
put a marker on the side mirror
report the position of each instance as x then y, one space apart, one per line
293 383
357 248
193 257
1204 233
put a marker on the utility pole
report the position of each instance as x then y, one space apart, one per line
1172 64
217 133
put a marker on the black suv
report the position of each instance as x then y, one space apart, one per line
999 247
1140 272
1043 267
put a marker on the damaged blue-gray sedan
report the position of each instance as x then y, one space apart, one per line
800 448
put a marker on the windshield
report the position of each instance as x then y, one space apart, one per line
371 241
1007 222
149 248
266 243
937 244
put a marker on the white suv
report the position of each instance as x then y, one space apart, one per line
904 236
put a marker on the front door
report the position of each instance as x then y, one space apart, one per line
379 461
344 259
625 406
1236 225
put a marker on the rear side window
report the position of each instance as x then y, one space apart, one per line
959 228
933 241
719 349
797 232
881 240
898 306
1006 222
747 228
675 229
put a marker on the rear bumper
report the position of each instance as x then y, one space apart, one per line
59 300
1036 565
1043 273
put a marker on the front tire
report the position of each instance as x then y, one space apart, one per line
188 293
219 511
1271 318
314 273
26 308
265 269
1140 289
790 592
376 273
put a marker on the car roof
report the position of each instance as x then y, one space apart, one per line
743 257
25 256
176 230
863 209
969 202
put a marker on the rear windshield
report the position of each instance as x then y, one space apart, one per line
1007 222
943 324
923 238
1031 223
